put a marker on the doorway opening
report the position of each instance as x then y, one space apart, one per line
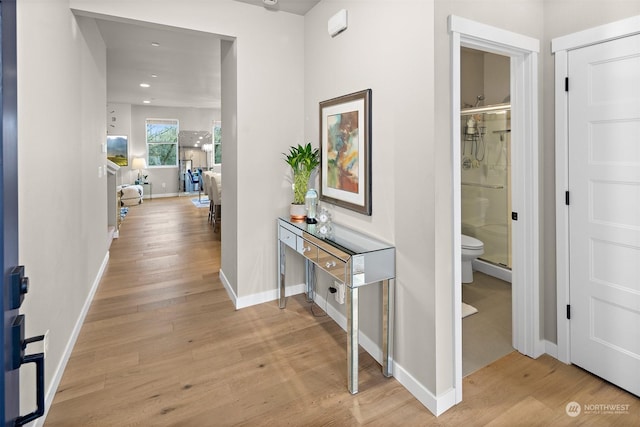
522 52
485 161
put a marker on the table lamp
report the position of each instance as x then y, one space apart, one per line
139 163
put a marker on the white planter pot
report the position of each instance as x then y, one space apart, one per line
298 212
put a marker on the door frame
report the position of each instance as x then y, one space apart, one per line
523 51
561 46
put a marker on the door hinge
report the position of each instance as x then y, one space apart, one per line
566 198
568 311
566 84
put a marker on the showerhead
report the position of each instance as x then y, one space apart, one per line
479 98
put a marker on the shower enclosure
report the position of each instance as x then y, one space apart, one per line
486 180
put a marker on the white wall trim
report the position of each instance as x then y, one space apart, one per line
562 212
259 298
267 296
551 349
437 405
493 36
523 51
57 376
228 288
561 46
161 195
615 30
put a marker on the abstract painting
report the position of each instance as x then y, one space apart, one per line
345 147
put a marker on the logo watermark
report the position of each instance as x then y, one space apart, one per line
573 409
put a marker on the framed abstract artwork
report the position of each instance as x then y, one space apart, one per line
345 151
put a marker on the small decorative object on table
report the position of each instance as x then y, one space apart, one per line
324 228
311 202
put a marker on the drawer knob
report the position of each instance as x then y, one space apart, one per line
306 249
330 264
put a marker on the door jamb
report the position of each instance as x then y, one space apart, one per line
561 46
523 51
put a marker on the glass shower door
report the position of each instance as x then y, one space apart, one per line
486 180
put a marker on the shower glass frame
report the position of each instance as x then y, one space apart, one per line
486 180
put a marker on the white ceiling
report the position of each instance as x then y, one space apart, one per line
186 63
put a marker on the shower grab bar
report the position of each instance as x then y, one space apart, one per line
493 187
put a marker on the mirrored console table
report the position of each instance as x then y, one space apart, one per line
352 258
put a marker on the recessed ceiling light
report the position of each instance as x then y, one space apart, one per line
154 75
270 2
146 101
155 44
200 138
145 85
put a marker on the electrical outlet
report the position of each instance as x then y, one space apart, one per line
339 296
164 185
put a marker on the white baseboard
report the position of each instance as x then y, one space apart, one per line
259 298
551 349
437 405
228 288
57 376
161 195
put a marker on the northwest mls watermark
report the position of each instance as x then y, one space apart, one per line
573 409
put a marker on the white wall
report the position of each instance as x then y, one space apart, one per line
62 195
397 64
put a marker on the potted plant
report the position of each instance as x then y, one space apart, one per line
303 161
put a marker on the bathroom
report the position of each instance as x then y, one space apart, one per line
485 207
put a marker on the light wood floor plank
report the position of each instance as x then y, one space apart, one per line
162 345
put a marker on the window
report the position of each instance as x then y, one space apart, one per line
217 142
162 142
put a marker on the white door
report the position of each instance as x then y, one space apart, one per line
604 210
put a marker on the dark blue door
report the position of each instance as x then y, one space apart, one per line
9 382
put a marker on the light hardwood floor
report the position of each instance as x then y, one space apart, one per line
163 345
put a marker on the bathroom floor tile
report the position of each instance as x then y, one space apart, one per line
486 335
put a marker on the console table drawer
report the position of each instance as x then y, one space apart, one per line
335 266
307 249
287 237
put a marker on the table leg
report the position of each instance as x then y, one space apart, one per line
311 280
352 339
387 327
281 274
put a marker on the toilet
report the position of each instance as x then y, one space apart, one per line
472 248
